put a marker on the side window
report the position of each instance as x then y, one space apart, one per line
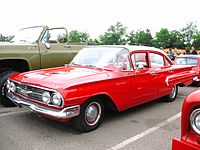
55 36
167 63
45 38
121 60
156 60
139 60
192 61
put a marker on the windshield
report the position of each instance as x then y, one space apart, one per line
186 61
28 35
103 57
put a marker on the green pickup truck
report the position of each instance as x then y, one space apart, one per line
34 48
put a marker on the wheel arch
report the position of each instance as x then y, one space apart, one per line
106 100
20 65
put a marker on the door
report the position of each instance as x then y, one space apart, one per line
54 50
162 69
143 83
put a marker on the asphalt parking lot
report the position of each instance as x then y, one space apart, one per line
147 127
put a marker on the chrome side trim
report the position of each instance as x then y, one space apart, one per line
167 81
65 113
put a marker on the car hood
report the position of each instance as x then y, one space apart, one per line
61 77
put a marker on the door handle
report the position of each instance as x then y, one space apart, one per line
153 74
67 46
171 71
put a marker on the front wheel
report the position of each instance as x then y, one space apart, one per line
172 96
91 115
3 99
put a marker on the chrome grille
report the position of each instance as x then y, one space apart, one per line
29 92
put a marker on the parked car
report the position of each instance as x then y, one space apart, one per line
190 60
190 124
34 48
99 78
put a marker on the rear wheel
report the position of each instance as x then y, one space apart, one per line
3 99
91 115
172 96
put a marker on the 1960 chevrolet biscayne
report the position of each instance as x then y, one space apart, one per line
99 78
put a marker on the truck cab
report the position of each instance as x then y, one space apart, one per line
34 48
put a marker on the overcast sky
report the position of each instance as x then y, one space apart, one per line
95 16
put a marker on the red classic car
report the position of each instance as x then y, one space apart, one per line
99 78
190 124
190 60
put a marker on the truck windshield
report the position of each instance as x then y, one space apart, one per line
103 57
27 35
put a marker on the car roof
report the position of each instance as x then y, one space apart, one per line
131 47
190 56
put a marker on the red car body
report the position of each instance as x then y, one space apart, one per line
190 60
86 91
190 136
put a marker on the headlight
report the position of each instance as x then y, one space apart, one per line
8 84
195 120
56 99
12 87
46 97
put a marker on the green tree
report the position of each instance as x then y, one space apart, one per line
176 39
196 42
162 38
6 38
77 37
131 38
63 38
84 37
188 32
115 35
141 37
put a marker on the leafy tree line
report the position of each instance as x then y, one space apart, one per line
116 34
5 38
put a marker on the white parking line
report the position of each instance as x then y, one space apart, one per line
181 96
144 133
11 113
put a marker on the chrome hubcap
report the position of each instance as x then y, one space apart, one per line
92 113
173 92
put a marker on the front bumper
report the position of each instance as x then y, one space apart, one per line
183 145
196 79
65 113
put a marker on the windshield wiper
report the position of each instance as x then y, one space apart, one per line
85 65
23 41
92 66
74 64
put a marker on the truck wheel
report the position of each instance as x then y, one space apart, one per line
172 96
3 99
91 115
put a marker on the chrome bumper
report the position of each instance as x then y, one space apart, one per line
65 113
196 79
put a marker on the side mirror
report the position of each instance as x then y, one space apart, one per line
140 66
48 46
